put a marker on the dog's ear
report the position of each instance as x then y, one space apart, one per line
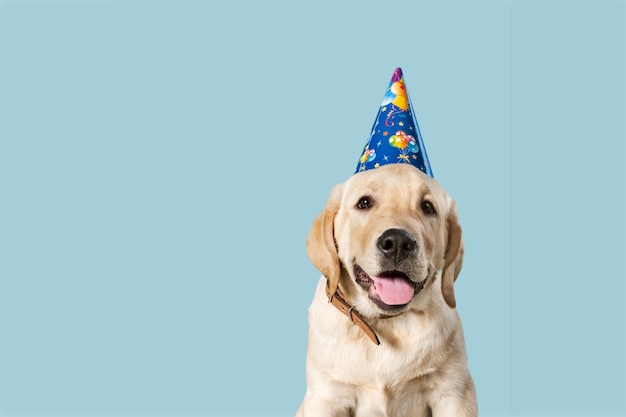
453 258
320 244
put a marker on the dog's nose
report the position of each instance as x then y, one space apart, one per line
397 244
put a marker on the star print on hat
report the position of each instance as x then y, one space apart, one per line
395 137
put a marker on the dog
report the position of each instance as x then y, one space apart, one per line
390 247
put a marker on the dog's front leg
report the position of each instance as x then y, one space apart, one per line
454 408
320 406
455 403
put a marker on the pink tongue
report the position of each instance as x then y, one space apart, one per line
393 291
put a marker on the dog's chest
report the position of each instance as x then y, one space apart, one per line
392 364
384 380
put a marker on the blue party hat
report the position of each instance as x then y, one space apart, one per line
395 137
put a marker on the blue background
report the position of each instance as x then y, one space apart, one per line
162 161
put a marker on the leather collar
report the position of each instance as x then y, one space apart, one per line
338 300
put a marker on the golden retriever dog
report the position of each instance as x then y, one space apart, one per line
385 338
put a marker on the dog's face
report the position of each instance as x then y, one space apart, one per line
385 234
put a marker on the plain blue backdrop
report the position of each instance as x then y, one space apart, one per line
162 161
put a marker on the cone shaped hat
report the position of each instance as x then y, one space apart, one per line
395 137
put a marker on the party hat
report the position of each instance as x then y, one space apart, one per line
395 137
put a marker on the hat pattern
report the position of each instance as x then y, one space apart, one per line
395 136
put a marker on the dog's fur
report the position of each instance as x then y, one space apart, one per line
420 367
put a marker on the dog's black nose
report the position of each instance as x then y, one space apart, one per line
397 244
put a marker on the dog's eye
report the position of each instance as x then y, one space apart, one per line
428 207
364 203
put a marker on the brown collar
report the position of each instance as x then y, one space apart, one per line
346 308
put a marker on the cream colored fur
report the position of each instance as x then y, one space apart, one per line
420 367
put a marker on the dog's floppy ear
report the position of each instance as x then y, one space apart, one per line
320 244
453 258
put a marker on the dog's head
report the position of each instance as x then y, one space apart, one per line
385 234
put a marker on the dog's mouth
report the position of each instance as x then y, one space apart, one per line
391 290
